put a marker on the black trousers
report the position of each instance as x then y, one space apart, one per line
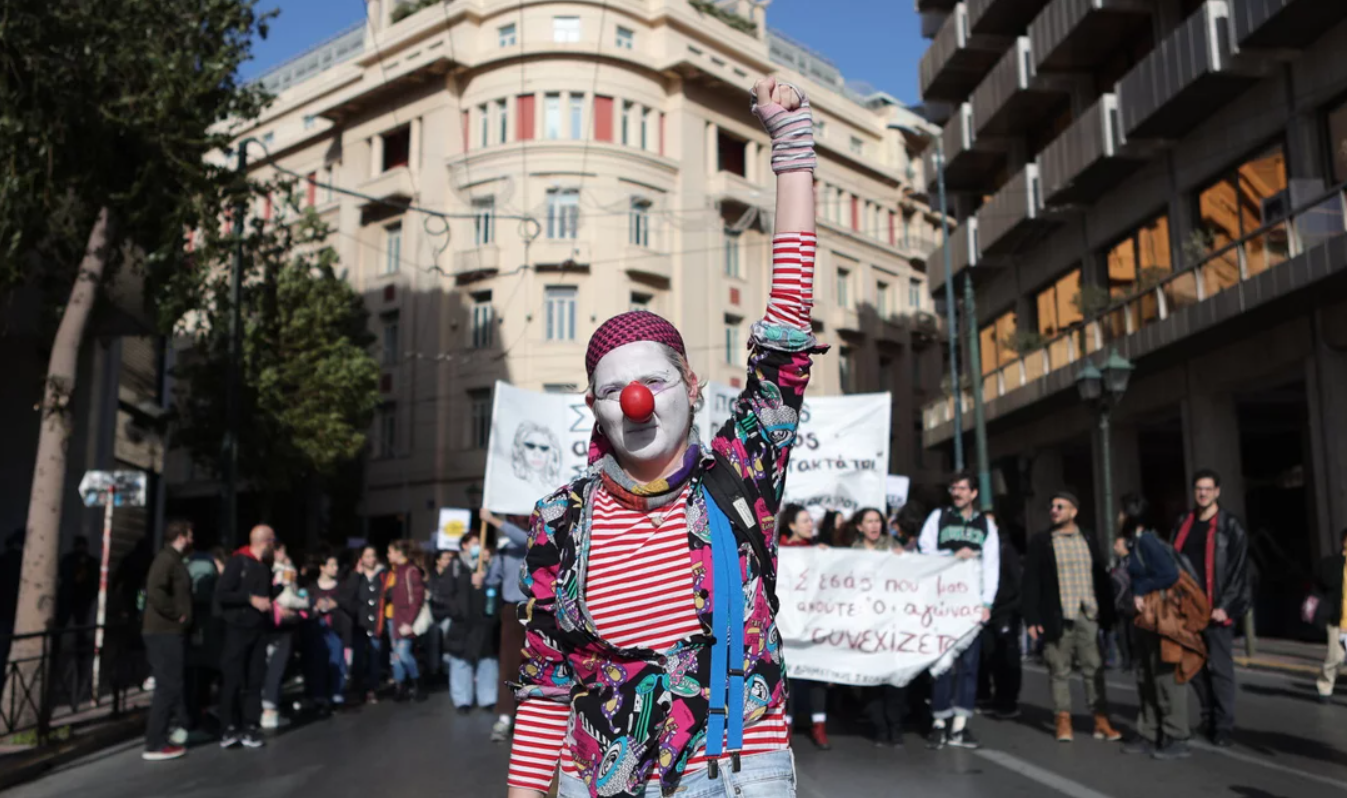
807 699
1215 683
1000 676
244 665
165 653
884 706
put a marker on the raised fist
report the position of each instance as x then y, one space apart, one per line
767 91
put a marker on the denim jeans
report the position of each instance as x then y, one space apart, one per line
328 672
404 662
770 775
374 648
462 674
956 689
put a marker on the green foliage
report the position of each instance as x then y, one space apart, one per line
1022 342
310 384
728 17
115 106
410 7
1092 300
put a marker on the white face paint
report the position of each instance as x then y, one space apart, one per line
641 446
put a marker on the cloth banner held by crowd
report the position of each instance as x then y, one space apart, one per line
866 618
540 441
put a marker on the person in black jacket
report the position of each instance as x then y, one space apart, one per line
362 598
1213 540
1001 674
168 614
1067 600
244 595
327 635
471 641
1329 574
439 589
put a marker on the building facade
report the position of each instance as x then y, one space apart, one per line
594 157
1164 179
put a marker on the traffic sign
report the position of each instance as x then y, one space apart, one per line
127 488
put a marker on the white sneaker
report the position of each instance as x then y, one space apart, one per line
271 719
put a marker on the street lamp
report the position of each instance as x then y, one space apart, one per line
1102 389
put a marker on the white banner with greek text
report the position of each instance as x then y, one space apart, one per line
866 618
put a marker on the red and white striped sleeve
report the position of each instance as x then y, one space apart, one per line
791 301
539 734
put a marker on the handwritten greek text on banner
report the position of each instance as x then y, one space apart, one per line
867 618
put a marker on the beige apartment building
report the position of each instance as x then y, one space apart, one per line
594 157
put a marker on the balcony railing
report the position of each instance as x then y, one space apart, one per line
967 163
1287 236
963 254
1184 79
955 61
1079 35
1009 100
1087 159
1002 17
1014 212
1284 23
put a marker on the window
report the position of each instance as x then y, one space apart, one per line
1059 305
309 121
565 29
392 248
483 320
997 343
627 107
844 287
329 180
1241 201
638 225
388 429
563 212
882 299
1337 142
577 102
479 418
645 128
641 301
269 138
311 189
732 254
397 148
885 373
503 120
907 231
730 154
507 35
857 146
560 301
846 368
484 220
390 338
914 292
1141 259
820 128
732 350
552 116
625 38
484 115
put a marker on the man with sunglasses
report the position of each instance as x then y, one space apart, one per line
961 531
1067 598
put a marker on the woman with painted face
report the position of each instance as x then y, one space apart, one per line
653 662
807 698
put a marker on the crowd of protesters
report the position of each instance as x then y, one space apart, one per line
226 630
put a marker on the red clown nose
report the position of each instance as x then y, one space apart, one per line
638 403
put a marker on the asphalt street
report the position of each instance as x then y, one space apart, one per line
1288 746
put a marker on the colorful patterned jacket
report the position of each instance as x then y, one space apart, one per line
637 710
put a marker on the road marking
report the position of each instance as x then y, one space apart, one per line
1045 777
1262 762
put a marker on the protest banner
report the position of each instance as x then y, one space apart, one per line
895 489
867 618
453 523
539 442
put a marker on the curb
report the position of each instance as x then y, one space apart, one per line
1260 664
38 762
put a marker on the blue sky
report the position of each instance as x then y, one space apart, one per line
877 41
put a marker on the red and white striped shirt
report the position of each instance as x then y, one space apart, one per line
639 584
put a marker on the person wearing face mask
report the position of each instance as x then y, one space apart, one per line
653 661
474 624
806 698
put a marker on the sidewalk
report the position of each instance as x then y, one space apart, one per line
1285 656
74 735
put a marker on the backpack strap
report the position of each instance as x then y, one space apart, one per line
728 493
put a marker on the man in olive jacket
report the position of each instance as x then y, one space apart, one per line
168 614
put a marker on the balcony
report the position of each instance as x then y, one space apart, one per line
1087 158
934 5
1014 216
1293 253
1184 80
968 163
1080 35
477 261
1283 23
963 254
729 187
956 60
1002 17
559 254
394 185
645 262
1007 102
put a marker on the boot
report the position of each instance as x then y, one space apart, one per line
819 734
400 694
1103 730
1064 734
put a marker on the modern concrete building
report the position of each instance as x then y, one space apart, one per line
598 157
1164 178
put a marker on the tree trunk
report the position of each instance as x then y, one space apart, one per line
37 585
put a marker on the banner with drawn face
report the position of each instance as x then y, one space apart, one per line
539 442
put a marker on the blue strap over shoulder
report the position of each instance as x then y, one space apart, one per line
727 655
